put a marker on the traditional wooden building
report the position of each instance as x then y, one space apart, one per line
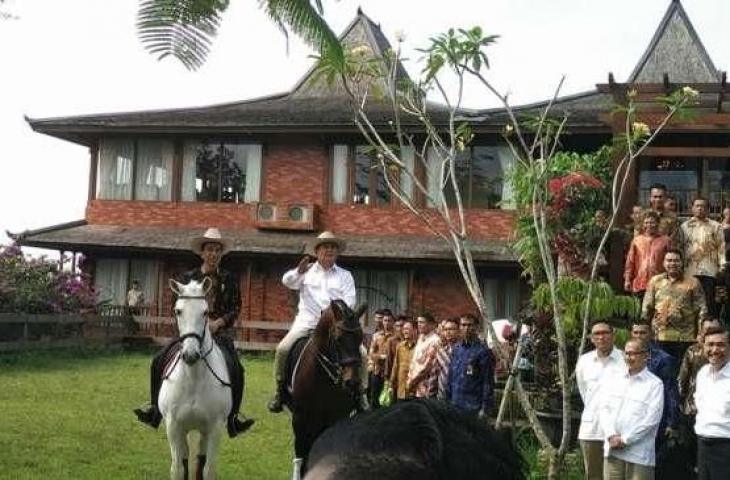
272 172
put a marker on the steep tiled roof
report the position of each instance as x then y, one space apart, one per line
79 236
676 50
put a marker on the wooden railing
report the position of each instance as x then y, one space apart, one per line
114 325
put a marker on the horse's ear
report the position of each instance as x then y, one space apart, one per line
206 285
360 310
175 286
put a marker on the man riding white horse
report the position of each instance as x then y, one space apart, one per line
319 280
224 304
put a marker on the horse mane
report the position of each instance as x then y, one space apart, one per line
323 330
425 439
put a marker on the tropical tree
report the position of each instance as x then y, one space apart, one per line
184 29
439 145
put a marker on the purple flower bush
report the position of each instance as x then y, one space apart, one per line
37 285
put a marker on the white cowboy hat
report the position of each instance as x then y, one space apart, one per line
212 235
327 237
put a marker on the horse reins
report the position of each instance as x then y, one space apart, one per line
201 340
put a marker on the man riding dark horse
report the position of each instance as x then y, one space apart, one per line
319 280
224 304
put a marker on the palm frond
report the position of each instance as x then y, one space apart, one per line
305 20
183 29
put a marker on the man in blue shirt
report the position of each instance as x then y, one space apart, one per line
470 382
664 366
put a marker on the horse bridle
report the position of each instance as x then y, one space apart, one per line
333 369
201 341
200 338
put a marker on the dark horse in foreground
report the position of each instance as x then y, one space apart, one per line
325 377
419 439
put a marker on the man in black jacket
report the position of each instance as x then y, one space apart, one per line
224 304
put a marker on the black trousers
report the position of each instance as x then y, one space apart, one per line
708 285
375 388
713 458
235 371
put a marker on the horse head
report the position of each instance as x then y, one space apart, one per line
191 315
341 332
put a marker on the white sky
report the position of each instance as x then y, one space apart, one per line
82 56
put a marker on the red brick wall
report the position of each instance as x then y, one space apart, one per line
292 173
440 291
342 219
296 173
161 214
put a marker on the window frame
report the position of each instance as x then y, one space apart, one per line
135 140
217 141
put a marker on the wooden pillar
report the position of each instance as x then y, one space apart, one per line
616 243
93 170
177 171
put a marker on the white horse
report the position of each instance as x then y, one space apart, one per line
195 393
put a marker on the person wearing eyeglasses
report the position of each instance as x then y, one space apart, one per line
591 371
470 381
630 409
669 463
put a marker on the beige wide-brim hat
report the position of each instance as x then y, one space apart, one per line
326 237
211 235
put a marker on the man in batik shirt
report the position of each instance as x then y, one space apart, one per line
674 304
704 250
646 256
423 363
377 356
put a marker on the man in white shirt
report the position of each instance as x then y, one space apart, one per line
591 371
319 281
712 398
630 410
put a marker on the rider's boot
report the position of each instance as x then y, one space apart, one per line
151 415
276 404
234 424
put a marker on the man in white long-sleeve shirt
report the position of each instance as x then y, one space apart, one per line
630 410
592 370
712 397
319 282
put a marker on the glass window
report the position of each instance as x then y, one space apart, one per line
486 177
480 176
221 172
363 163
110 280
679 175
717 179
382 289
153 170
114 179
145 272
339 173
502 296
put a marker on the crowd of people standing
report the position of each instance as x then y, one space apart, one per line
661 407
425 358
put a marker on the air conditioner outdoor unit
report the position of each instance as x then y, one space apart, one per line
286 216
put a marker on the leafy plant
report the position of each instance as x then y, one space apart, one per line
38 286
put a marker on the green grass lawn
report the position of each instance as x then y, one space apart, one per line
68 414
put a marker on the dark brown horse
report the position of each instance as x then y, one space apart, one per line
326 379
